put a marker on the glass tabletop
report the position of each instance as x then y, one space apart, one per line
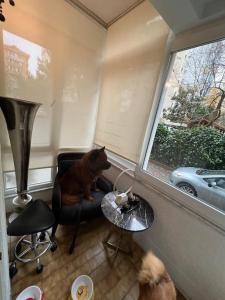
138 219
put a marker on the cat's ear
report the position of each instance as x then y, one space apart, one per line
102 149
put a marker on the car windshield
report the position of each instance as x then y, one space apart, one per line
210 172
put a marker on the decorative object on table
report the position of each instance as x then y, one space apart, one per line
122 198
83 211
19 116
134 215
32 224
82 288
126 201
131 204
2 17
31 293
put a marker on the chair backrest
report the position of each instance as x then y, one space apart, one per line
65 160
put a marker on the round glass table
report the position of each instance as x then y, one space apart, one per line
136 219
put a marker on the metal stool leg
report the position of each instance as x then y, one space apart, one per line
34 240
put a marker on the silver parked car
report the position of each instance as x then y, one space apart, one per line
208 185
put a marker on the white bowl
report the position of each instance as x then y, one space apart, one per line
33 292
83 280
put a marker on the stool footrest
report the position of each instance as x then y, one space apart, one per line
32 246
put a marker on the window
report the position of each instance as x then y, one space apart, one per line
216 181
37 179
187 144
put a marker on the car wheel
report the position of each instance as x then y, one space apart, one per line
187 188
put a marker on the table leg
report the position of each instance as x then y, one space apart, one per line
106 239
116 246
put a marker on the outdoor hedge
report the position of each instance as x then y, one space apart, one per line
201 147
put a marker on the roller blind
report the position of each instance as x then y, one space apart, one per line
26 68
134 50
46 58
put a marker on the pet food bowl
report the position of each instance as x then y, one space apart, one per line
31 293
86 281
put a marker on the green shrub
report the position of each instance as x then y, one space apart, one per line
201 147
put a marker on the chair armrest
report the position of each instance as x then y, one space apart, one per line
104 184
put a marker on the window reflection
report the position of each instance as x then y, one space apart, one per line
28 76
27 68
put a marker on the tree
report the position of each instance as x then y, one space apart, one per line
43 79
201 91
187 107
43 70
200 147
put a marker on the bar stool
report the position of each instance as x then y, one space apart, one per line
32 225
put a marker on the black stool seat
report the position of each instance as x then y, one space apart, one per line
37 217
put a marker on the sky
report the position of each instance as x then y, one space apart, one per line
32 49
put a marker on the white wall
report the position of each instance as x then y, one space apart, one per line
192 250
69 93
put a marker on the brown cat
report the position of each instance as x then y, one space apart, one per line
80 176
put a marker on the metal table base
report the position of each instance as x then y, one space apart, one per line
117 245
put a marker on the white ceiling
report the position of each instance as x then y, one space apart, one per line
179 14
185 14
106 12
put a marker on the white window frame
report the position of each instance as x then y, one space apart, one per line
200 208
5 289
8 193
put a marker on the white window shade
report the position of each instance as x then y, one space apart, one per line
134 52
46 58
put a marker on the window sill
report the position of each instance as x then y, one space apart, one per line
120 162
36 189
208 214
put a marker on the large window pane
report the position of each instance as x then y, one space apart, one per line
188 150
37 178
